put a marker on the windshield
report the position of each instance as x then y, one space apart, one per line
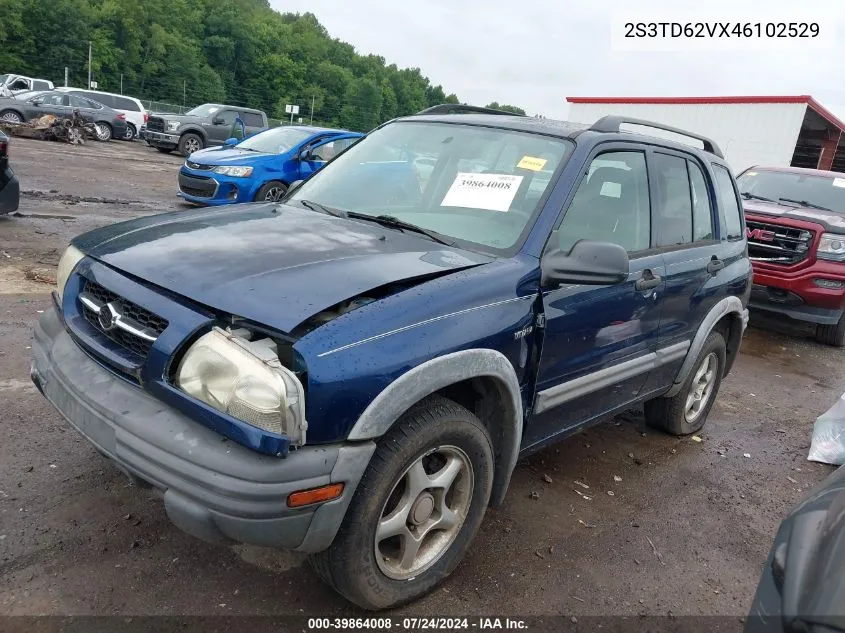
815 190
276 141
481 186
3 79
204 110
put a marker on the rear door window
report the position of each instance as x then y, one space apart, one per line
81 102
122 103
252 119
673 225
40 85
728 203
702 214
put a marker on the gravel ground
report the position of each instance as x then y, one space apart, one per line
685 531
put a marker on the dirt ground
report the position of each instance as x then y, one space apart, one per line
685 531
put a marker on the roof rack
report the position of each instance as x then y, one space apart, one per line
612 124
458 108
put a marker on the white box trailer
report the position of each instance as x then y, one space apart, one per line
777 131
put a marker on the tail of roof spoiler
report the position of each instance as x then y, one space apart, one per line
458 108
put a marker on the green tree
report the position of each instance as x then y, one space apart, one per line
236 51
505 108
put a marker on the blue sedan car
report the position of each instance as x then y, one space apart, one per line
261 167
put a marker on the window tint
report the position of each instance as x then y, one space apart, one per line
252 119
228 117
702 217
80 102
54 99
674 213
329 150
611 204
88 96
728 202
40 85
122 103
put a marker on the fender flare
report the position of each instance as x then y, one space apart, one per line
727 305
195 130
437 373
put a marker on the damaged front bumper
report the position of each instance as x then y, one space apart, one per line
213 489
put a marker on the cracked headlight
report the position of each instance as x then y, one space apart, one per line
245 380
70 258
172 126
237 171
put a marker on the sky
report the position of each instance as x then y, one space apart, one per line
535 54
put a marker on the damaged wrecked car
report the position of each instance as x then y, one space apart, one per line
352 372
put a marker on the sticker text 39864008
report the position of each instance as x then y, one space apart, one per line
491 192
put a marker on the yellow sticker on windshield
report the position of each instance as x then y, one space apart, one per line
532 163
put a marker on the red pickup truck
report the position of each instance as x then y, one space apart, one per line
795 224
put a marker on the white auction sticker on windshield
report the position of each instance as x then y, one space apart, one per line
839 182
491 192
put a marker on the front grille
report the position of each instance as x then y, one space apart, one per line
155 124
777 244
152 324
198 186
197 166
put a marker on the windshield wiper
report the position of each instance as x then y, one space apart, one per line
754 196
805 203
396 223
316 206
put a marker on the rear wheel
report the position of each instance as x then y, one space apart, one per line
832 334
190 143
129 135
11 116
687 411
104 131
271 191
416 510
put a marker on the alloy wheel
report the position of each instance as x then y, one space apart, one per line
701 389
424 512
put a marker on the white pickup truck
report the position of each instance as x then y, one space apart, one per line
11 84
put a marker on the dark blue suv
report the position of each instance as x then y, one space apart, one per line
353 371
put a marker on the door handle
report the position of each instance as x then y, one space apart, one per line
715 265
648 281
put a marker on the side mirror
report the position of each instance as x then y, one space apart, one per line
306 155
590 263
229 142
217 121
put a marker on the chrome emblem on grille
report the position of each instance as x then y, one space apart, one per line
108 317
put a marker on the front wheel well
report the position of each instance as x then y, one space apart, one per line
489 400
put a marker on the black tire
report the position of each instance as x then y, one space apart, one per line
11 116
671 414
104 131
130 132
349 565
190 143
276 187
164 150
832 334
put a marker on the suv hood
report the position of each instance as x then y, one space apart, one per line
229 156
830 220
273 264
